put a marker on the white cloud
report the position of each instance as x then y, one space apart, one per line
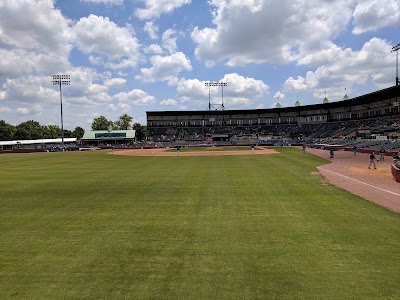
23 110
124 106
192 90
5 109
168 40
107 2
373 62
274 31
34 25
279 95
2 95
165 68
100 36
151 30
154 8
18 62
29 43
115 82
239 90
244 87
168 102
154 49
135 96
298 84
370 15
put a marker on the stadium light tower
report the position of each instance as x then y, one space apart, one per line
215 106
61 80
397 48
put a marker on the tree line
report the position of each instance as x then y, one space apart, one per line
33 130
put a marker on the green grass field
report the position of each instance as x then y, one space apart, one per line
87 225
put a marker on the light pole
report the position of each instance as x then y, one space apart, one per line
210 84
61 80
397 48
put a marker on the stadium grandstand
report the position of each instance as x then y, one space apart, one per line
371 119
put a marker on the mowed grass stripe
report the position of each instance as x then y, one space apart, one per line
97 226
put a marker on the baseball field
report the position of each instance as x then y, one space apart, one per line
89 225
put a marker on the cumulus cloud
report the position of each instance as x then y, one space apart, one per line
23 110
168 102
165 68
21 27
2 95
115 82
100 36
5 109
29 43
107 2
191 90
370 15
279 95
154 8
275 31
239 90
373 62
154 49
151 30
135 96
298 84
169 40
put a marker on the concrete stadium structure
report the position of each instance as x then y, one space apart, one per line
357 118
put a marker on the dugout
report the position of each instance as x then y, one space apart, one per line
108 138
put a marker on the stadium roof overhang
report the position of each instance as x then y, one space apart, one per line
380 95
37 142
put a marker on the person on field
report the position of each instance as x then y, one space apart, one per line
372 160
382 153
354 150
178 150
331 152
252 148
304 148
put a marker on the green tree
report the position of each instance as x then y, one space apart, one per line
101 123
29 130
78 132
51 131
124 122
140 131
6 131
67 133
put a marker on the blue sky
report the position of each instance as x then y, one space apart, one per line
133 56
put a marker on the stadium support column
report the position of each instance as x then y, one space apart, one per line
396 48
61 80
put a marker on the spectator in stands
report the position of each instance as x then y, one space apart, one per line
382 153
354 150
372 160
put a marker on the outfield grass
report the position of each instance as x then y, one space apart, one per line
87 225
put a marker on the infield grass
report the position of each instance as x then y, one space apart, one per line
87 225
